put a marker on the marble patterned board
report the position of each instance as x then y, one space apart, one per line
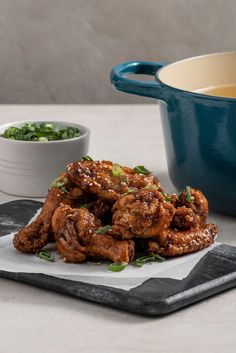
213 273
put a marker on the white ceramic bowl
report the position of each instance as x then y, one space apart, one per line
28 168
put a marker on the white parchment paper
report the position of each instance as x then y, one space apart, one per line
14 261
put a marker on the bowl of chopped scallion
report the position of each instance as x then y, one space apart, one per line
40 132
32 154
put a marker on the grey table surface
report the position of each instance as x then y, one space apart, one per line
36 320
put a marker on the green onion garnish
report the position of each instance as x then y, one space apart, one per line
41 132
42 139
45 255
130 191
117 266
166 198
117 171
140 169
87 158
140 261
60 183
103 230
189 197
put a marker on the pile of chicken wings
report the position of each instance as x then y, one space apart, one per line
99 209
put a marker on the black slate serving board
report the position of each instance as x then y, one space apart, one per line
214 273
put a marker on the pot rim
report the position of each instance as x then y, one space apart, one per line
192 93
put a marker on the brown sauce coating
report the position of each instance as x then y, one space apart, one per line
34 236
142 214
97 177
77 240
133 204
174 242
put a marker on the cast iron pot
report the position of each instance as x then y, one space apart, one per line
199 129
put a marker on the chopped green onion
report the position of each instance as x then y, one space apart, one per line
117 171
43 139
166 198
103 230
117 266
41 132
130 191
189 197
10 132
60 183
140 169
87 158
140 261
45 255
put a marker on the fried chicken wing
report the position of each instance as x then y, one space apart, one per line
35 235
143 214
102 179
172 242
93 193
77 240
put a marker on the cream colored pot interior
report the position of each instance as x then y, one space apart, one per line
200 72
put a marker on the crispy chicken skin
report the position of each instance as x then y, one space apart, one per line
97 177
76 240
172 242
34 236
142 214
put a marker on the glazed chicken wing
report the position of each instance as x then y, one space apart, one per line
77 240
172 242
143 214
92 193
108 180
35 235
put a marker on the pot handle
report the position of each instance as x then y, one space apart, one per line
151 88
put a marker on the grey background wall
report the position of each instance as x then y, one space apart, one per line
61 51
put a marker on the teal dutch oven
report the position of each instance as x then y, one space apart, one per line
199 129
